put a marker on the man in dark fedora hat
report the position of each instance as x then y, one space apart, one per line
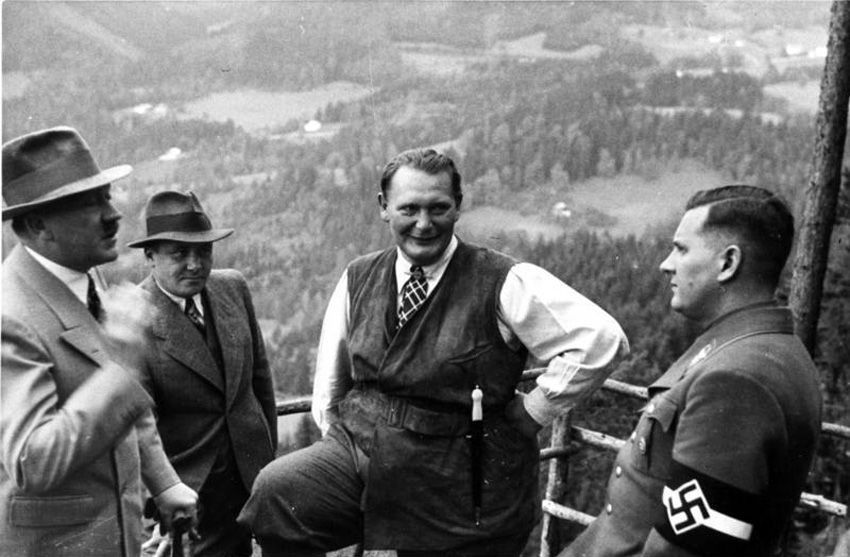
207 370
76 427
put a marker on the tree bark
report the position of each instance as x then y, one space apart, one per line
821 197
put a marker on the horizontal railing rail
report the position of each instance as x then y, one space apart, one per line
302 404
633 391
579 436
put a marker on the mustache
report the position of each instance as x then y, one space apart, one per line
110 228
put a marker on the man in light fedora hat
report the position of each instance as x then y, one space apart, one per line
207 369
77 434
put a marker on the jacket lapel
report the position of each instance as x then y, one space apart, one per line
180 338
226 317
81 330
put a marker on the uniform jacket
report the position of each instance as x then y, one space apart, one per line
199 406
721 452
415 428
74 427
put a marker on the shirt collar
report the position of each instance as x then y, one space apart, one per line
181 301
433 272
76 281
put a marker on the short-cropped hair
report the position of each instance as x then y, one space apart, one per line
426 160
758 218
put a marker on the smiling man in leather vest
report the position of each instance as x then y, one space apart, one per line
408 460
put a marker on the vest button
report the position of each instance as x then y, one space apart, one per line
651 408
618 471
609 508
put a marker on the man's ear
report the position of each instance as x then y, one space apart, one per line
731 263
37 227
382 203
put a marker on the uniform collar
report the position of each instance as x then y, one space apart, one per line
763 317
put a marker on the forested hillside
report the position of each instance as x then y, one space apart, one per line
529 130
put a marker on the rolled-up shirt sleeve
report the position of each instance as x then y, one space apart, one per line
579 341
333 378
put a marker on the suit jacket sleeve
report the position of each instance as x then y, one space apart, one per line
157 472
262 378
43 442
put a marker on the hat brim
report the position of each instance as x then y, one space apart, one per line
92 182
205 237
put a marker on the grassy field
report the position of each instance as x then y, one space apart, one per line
263 110
493 224
619 205
638 203
801 97
433 59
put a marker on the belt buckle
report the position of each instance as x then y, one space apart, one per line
396 412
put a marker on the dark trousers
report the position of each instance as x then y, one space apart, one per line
309 502
221 498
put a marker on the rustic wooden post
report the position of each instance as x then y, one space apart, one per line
556 486
821 197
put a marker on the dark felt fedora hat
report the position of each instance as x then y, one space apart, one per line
178 217
43 166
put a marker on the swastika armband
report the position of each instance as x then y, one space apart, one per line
707 516
687 508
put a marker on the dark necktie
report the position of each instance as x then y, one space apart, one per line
194 316
413 294
93 300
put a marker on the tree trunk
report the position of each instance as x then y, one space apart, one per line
821 196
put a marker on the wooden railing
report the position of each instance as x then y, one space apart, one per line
566 440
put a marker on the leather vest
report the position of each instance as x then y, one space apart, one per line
410 408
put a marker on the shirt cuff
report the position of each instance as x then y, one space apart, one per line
561 387
540 408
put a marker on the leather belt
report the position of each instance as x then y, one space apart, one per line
400 412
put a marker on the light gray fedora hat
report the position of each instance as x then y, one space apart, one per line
47 165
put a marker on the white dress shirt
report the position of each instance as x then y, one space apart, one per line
76 281
576 339
181 301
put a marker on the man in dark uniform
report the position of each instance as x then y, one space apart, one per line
409 460
719 457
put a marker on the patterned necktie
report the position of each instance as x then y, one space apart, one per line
195 316
93 300
413 294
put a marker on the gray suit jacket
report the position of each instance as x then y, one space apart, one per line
74 427
198 405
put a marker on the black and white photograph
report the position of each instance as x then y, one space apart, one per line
425 278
